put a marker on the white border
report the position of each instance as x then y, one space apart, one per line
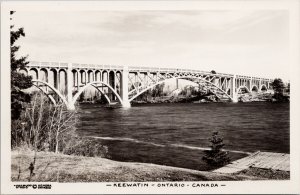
242 187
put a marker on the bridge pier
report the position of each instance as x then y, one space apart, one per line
235 99
70 106
70 81
259 86
124 88
233 90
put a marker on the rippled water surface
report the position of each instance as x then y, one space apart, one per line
176 134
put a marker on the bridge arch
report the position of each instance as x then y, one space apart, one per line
76 78
47 94
59 94
34 73
53 77
76 96
43 76
98 75
90 74
105 76
254 88
82 77
243 87
102 92
263 87
180 77
51 87
62 81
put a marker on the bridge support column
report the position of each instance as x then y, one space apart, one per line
70 105
233 90
115 84
77 79
124 88
260 84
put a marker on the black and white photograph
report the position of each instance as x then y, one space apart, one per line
150 97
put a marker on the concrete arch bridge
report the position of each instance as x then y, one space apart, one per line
67 81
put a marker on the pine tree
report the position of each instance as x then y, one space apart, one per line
19 81
279 87
215 156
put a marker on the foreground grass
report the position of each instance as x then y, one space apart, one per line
266 173
64 168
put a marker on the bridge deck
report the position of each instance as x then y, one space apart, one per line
264 160
137 69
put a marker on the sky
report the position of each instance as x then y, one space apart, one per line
253 43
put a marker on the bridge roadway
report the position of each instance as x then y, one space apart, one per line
124 83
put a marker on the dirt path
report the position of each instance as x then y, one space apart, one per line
261 160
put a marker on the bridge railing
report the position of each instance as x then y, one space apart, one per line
173 70
97 66
138 69
74 65
253 78
48 64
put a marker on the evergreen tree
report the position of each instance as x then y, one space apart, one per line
288 88
213 72
19 81
278 87
215 156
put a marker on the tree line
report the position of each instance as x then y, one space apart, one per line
281 90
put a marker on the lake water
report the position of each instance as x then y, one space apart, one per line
177 134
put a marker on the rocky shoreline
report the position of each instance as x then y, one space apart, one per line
247 97
206 98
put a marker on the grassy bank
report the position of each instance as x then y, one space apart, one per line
65 168
266 173
170 155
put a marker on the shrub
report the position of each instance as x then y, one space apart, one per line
85 147
215 156
48 127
